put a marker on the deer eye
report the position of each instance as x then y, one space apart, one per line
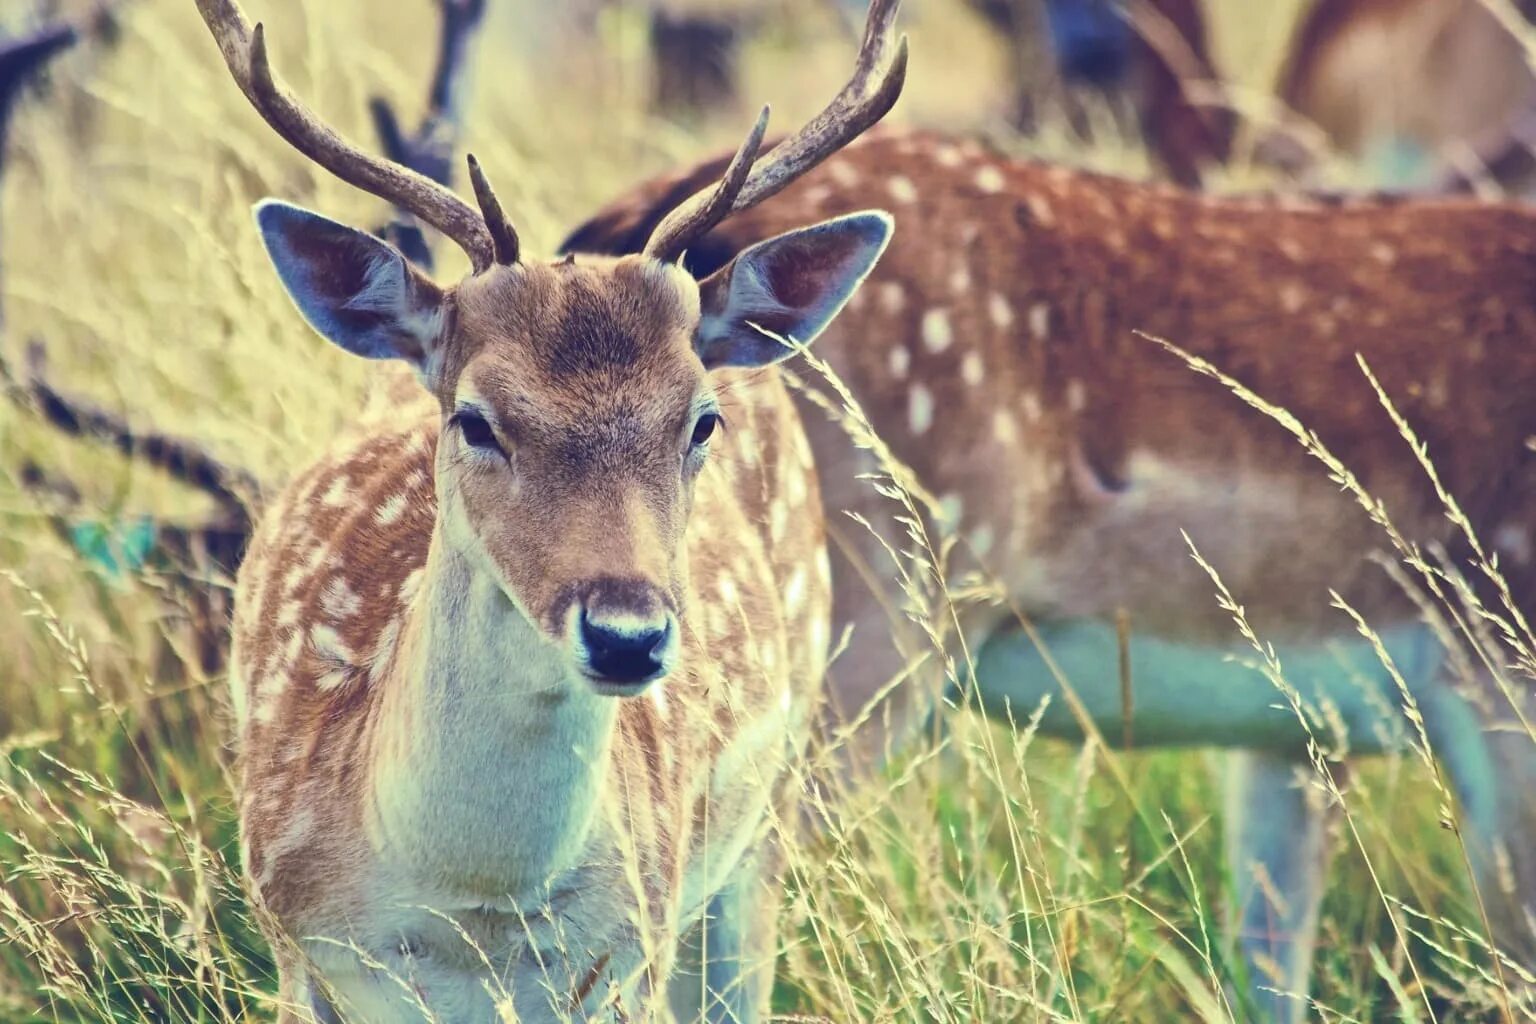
704 428
477 433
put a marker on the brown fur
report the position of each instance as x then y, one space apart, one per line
580 361
1002 322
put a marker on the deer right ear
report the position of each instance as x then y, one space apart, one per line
354 289
790 286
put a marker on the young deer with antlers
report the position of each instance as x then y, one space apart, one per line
994 351
451 803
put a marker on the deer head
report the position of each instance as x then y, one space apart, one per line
576 395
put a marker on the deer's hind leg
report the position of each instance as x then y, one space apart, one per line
1279 844
725 963
1278 820
1489 758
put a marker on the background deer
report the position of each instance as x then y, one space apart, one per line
1414 84
446 806
1151 56
1408 86
994 351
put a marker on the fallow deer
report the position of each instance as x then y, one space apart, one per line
454 802
1409 86
1154 54
994 351
1407 83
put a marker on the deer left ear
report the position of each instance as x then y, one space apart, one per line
352 288
790 286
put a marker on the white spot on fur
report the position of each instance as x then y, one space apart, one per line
1030 403
919 409
336 494
728 592
1077 396
290 613
948 155
295 836
901 361
989 179
1040 210
1040 321
1292 297
972 371
951 508
902 190
778 519
892 297
794 591
338 600
821 637
329 645
843 173
1000 311
982 539
937 333
1003 427
960 280
795 489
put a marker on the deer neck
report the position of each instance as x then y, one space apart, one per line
489 752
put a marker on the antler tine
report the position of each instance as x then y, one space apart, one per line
706 208
245 53
503 235
877 80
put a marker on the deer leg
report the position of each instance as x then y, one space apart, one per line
1490 761
725 963
1184 694
1278 849
1191 695
696 60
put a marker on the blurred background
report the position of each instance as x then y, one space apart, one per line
1002 879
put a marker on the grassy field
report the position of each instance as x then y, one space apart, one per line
997 879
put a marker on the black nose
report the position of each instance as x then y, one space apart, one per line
622 649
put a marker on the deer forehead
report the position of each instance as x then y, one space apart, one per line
563 344
569 314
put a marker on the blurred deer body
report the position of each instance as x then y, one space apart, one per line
1151 59
520 668
994 352
1404 79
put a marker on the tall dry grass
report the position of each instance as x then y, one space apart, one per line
998 876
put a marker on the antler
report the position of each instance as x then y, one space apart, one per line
245 53
231 486
877 80
429 150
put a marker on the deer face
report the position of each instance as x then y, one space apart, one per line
578 408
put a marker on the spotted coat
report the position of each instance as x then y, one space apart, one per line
332 597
